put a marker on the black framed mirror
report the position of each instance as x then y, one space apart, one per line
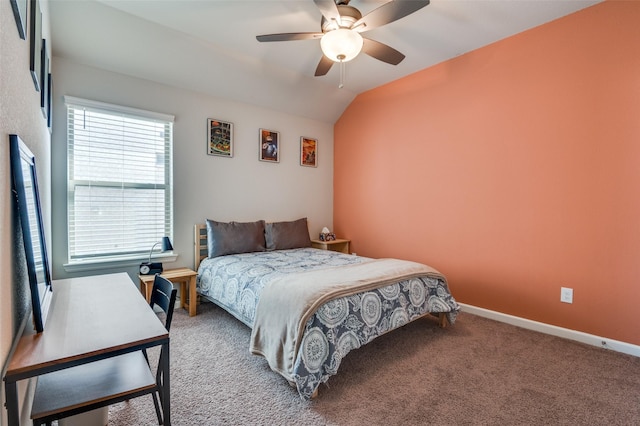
25 187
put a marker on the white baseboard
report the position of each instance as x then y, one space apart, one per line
590 339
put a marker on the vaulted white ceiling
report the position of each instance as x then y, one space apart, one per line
210 46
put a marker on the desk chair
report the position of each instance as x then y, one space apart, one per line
98 384
163 295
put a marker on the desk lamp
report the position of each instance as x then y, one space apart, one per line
152 268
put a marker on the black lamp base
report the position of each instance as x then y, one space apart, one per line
152 268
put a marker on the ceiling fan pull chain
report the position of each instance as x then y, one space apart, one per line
342 71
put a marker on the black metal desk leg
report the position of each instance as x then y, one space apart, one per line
166 388
13 415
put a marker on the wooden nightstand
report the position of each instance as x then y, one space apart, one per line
336 245
185 276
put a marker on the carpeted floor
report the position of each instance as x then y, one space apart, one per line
476 372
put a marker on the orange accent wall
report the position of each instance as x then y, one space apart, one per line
513 169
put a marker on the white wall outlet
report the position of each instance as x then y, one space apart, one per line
566 295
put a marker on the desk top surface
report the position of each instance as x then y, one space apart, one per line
88 316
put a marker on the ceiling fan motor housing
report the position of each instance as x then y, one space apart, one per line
348 16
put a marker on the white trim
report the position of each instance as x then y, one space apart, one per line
590 339
116 262
70 100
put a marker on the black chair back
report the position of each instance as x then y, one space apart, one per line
164 296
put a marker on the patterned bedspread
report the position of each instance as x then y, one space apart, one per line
235 282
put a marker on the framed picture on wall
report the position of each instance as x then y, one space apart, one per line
220 138
20 13
269 146
308 152
44 80
35 44
49 105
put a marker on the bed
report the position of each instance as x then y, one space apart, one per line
307 308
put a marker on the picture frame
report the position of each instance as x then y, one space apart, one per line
35 44
44 79
219 138
308 152
27 199
269 145
20 14
49 104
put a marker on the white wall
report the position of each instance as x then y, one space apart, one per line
19 114
239 188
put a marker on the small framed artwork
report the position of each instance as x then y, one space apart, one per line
308 152
20 13
49 105
269 146
44 80
35 43
220 138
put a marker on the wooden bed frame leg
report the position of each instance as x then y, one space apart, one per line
442 320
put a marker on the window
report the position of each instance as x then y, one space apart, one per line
120 195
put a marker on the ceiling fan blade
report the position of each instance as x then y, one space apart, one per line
387 13
324 66
329 10
288 36
381 51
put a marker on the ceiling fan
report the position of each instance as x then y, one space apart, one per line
342 25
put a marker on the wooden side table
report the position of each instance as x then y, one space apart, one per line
185 276
336 245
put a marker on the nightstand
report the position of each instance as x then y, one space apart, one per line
185 276
336 245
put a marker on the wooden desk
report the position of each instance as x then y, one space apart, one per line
185 276
89 319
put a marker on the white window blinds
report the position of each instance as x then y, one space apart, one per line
120 196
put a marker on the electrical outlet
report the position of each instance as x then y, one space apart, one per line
566 295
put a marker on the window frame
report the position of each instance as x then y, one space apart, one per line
130 257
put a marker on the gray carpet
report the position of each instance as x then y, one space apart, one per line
476 372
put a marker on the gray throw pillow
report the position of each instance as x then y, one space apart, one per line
234 237
287 235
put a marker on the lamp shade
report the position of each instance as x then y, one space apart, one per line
341 45
166 244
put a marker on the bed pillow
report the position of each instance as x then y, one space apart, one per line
234 237
287 235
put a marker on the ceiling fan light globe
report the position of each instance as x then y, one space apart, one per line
341 45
